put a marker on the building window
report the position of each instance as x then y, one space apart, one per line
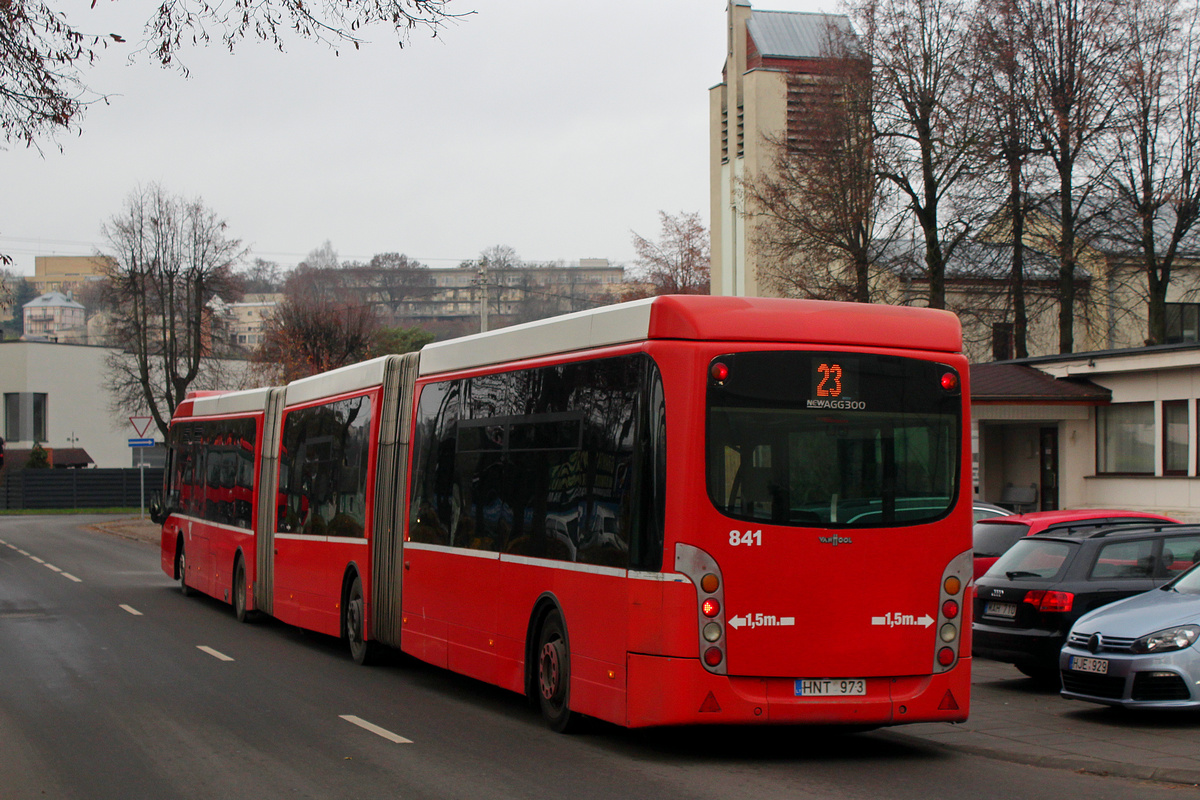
1175 437
1125 439
25 416
1183 322
1003 341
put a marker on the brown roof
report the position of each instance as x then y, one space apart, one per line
59 457
1017 383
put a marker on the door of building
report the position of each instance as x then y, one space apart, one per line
1048 450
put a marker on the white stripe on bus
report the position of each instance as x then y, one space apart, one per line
307 537
569 566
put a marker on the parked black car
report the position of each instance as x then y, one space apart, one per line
1027 602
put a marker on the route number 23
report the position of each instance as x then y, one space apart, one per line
831 380
749 538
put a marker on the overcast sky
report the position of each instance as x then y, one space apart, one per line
553 126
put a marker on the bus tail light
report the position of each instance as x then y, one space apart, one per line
952 601
702 570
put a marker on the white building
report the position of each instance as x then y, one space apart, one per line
1107 429
54 394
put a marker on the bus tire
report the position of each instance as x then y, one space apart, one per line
553 683
354 623
181 570
239 591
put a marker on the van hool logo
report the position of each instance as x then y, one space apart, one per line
835 540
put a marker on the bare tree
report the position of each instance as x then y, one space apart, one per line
679 262
1072 50
1158 147
40 86
262 277
1006 143
392 280
170 257
820 208
311 334
42 54
923 135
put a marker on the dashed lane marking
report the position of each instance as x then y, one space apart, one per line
132 610
214 653
71 577
52 567
36 560
375 729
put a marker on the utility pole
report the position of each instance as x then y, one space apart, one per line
482 282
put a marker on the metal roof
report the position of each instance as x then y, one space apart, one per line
794 34
1006 382
52 300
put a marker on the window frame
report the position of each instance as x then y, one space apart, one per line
1102 439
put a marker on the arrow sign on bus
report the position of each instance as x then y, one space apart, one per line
141 424
891 620
761 621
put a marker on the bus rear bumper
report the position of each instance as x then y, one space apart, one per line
679 691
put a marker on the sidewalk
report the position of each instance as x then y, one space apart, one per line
1014 719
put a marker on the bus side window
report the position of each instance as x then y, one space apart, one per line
646 544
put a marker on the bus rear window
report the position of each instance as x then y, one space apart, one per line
832 439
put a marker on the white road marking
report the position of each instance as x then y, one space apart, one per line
22 552
213 653
375 729
132 610
51 566
36 560
71 577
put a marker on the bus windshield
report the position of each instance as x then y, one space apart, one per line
832 439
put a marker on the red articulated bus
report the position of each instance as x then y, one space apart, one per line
672 511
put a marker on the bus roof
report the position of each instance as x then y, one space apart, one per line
362 375
704 318
210 404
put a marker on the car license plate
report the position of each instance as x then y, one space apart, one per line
830 687
1086 664
1006 610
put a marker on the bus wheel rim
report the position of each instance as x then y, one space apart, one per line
550 674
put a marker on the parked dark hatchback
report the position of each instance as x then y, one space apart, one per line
994 535
1027 602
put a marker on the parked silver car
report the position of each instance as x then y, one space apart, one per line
1140 652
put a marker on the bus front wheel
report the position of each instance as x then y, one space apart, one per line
181 571
239 591
554 675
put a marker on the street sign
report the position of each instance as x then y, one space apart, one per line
140 424
141 443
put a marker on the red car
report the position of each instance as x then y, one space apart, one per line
994 535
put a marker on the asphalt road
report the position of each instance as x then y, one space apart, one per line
114 685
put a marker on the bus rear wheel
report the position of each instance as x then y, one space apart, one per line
354 623
554 675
